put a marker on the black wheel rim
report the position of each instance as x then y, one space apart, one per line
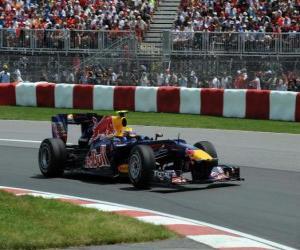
135 166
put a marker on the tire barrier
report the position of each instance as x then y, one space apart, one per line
240 103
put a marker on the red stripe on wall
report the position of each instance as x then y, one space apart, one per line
7 94
83 96
257 104
212 102
297 108
168 99
124 97
45 95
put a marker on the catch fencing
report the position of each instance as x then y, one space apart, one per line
232 43
172 43
66 41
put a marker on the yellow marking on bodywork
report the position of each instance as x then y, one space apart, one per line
117 123
123 168
199 154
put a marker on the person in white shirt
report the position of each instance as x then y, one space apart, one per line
255 83
215 83
144 79
18 75
160 79
224 82
193 80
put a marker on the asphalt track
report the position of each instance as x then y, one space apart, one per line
265 205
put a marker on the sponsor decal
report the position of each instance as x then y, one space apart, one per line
103 128
59 131
217 173
178 180
95 160
123 168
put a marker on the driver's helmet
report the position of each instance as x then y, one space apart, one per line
128 132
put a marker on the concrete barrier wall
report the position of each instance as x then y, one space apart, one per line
273 105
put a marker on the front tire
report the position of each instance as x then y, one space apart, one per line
208 147
203 172
141 166
52 156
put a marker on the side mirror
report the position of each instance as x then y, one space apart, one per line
157 135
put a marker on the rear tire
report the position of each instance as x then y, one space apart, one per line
52 157
141 166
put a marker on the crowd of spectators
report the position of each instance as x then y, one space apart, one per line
110 15
255 19
270 80
118 76
239 16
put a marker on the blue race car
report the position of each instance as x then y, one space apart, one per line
107 147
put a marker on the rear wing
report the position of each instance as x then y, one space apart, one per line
60 123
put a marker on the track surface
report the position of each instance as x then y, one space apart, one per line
266 205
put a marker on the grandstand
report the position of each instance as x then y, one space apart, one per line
224 44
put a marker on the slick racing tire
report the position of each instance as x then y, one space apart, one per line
203 173
52 156
141 166
208 147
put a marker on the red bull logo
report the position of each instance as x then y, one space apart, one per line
102 128
95 160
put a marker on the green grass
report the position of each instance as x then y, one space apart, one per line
161 119
35 223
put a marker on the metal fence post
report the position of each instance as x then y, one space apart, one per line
1 38
280 44
33 38
166 42
67 40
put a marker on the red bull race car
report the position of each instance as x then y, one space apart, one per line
108 147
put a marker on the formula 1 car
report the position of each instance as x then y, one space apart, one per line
108 147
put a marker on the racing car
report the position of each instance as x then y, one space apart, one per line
108 147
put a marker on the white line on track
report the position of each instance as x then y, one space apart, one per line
23 141
18 140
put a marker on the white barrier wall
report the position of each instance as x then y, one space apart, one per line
282 105
64 95
190 100
103 98
26 94
145 99
234 103
273 105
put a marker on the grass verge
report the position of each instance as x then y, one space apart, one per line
160 119
35 223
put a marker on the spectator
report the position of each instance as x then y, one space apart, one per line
215 82
174 79
4 74
182 81
167 77
255 83
18 76
144 79
160 79
193 80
